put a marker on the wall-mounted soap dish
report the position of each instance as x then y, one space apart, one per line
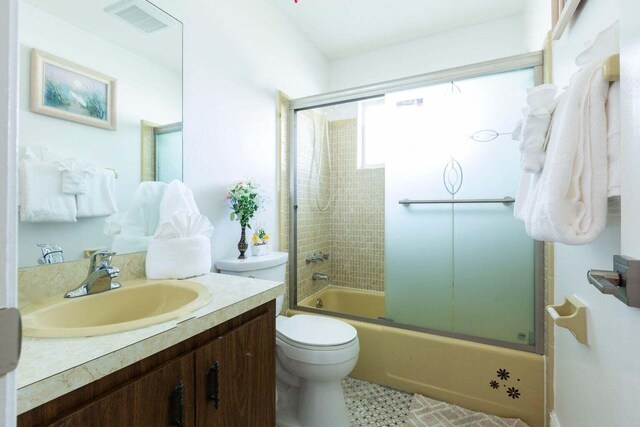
571 315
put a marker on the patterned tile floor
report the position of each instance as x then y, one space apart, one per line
375 405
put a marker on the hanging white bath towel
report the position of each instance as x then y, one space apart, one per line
569 201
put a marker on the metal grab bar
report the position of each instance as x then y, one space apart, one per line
505 201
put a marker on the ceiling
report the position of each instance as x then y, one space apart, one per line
342 28
163 47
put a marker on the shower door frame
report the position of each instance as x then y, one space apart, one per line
533 60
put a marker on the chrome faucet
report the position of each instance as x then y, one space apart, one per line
51 253
319 276
317 256
99 278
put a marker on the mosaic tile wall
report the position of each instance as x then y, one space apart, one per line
357 214
351 229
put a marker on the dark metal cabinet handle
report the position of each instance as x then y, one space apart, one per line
213 384
176 417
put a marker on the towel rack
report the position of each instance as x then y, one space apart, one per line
115 173
505 201
611 68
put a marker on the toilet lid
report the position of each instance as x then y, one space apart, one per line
316 331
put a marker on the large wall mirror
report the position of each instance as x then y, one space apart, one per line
101 101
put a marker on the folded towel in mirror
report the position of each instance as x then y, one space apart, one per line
41 198
75 173
99 199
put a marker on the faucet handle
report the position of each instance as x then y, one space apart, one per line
100 259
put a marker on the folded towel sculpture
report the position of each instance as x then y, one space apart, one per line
132 229
181 245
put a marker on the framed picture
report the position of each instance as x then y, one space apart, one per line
62 89
562 12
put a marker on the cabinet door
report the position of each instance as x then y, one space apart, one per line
163 397
235 377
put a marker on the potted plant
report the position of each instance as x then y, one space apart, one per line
260 240
244 200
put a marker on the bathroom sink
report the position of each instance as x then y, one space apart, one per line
135 305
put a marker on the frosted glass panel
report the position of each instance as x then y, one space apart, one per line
169 156
466 269
493 274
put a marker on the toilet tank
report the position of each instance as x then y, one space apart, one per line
267 267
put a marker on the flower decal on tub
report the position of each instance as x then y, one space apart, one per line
503 374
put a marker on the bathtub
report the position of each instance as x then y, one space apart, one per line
452 370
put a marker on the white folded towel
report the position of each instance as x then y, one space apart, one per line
132 229
569 200
99 198
178 258
177 198
75 173
41 198
613 135
541 103
180 248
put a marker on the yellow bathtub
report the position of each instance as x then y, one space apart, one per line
480 377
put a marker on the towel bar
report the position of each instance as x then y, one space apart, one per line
505 201
611 68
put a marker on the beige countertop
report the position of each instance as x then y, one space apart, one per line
52 367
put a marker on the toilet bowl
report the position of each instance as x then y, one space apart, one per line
313 354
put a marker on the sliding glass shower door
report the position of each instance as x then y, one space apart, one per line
456 260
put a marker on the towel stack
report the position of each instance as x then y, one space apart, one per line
181 245
62 190
570 160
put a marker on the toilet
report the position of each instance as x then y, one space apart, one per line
313 354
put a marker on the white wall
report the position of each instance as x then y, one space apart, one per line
237 55
536 23
468 45
599 384
146 91
8 184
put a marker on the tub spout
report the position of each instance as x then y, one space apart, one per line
319 276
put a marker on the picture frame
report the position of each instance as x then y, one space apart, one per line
562 12
69 91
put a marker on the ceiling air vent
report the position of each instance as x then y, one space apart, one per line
140 14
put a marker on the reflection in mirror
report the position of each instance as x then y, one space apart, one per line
161 152
75 173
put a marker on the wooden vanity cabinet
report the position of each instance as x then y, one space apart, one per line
235 362
222 377
163 397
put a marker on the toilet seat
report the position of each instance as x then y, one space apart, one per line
315 332
316 340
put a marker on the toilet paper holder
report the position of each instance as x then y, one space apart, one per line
571 315
623 281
